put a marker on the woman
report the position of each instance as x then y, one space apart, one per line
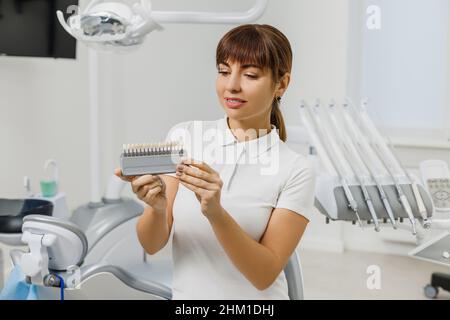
235 223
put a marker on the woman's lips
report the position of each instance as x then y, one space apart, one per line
234 103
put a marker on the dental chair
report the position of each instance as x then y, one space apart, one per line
96 252
59 253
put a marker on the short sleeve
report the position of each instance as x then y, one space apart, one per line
178 132
298 193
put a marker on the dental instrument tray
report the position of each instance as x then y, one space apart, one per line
151 158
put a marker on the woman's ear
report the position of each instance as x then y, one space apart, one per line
283 84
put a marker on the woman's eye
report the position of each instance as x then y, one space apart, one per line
251 76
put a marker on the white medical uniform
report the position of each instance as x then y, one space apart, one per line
258 175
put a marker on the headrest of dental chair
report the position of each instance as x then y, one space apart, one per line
69 248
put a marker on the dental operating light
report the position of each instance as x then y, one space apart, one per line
121 26
107 24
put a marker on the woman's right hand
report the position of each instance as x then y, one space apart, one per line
149 188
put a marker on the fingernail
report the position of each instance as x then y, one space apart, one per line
178 173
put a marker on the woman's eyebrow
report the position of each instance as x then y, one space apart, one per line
244 66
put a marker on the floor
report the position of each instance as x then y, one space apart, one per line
344 276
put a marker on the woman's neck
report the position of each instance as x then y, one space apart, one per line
249 129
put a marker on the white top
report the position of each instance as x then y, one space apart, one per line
258 175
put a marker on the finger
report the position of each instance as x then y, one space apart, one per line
142 180
198 191
118 173
163 184
151 194
197 173
143 190
199 164
197 182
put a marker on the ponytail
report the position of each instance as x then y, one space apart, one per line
276 118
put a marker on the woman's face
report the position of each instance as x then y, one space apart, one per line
245 91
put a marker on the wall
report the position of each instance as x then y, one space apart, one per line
184 89
411 148
44 102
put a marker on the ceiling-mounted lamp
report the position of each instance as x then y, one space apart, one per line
117 24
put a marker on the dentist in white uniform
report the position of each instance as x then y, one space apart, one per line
238 206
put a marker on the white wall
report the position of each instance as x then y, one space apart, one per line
184 87
412 146
43 113
44 102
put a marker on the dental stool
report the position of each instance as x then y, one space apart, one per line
58 248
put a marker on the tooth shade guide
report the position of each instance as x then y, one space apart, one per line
130 150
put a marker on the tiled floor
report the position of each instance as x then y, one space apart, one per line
344 276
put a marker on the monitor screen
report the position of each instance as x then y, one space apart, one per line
30 28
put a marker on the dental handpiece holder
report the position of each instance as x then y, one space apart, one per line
332 203
55 246
360 178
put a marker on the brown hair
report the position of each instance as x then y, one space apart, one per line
262 45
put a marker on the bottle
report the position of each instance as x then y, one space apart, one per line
49 185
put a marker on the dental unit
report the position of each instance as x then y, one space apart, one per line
392 165
371 164
360 172
353 158
330 154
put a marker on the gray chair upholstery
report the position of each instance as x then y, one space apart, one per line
294 277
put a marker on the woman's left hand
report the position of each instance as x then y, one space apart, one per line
204 182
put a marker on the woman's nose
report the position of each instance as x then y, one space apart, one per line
233 83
